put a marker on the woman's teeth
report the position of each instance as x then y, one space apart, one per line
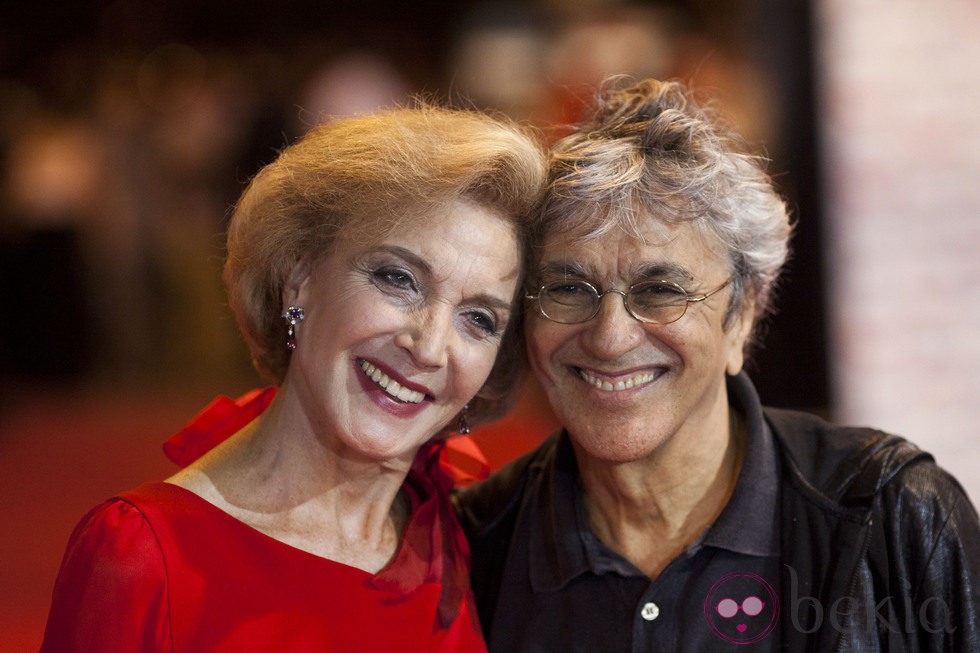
390 386
631 382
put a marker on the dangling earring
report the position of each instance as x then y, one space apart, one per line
463 425
294 315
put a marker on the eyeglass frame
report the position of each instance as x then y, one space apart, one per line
689 299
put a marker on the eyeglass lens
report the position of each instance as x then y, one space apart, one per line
654 301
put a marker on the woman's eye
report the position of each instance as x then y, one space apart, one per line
394 278
483 321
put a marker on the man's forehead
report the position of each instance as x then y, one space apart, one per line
652 234
674 250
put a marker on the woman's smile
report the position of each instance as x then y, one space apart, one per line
391 392
392 384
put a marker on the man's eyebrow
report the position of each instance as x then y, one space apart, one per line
565 269
643 272
665 271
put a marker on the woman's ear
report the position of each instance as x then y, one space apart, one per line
292 292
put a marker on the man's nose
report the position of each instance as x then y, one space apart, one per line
613 331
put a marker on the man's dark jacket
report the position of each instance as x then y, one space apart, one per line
864 514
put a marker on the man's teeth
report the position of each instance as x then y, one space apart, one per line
391 386
631 382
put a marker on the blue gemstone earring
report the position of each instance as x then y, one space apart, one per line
294 315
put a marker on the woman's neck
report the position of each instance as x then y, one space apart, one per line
281 479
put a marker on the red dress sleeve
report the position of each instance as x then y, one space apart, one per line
111 591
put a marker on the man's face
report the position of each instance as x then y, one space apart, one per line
624 388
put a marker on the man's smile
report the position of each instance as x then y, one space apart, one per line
617 382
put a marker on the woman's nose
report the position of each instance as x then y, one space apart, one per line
426 337
613 331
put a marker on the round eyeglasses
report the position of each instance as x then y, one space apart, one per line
653 302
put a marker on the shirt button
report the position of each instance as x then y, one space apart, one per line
650 611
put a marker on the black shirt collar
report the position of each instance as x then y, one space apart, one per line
748 522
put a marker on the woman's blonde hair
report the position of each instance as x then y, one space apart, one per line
366 177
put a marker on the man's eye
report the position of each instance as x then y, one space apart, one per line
394 278
659 293
570 293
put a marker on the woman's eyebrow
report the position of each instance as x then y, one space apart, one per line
416 261
409 257
492 301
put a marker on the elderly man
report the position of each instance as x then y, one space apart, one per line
673 511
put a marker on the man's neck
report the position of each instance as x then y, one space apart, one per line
649 510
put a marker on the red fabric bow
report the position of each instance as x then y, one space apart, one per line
217 422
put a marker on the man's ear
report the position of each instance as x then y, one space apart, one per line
739 334
292 291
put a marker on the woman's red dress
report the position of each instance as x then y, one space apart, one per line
158 568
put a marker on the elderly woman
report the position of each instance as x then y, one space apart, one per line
373 269
673 512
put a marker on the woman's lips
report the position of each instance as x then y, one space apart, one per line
393 388
397 396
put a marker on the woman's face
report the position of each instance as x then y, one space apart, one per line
399 334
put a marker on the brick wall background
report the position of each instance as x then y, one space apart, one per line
900 119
